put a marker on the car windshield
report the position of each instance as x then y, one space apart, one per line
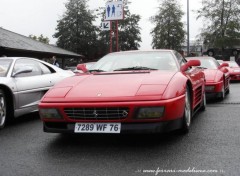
162 60
232 64
4 66
209 63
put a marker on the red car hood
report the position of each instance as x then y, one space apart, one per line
210 74
110 86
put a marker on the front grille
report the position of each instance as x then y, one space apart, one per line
97 113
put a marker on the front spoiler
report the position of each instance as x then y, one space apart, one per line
156 127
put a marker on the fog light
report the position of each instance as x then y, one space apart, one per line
150 112
49 114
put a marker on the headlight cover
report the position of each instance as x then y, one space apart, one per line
51 113
150 112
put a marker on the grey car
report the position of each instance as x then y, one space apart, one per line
23 82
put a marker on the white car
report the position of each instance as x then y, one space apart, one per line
23 82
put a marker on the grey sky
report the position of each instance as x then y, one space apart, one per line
40 16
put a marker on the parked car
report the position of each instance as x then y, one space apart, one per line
217 77
234 70
127 92
226 53
23 82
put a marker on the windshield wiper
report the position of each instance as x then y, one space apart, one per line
96 70
135 68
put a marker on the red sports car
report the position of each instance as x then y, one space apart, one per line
234 70
217 77
127 92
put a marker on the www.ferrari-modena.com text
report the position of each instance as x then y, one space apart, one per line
189 170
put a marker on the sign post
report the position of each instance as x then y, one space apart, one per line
117 35
110 50
114 12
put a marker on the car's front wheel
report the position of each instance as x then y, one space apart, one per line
204 102
187 117
222 94
2 109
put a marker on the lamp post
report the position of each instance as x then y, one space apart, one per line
188 27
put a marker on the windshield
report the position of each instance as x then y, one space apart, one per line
4 66
209 63
89 65
162 60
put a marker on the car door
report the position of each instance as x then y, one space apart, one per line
31 86
196 77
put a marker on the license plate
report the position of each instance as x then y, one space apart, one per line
97 128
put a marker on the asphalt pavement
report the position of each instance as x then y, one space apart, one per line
211 148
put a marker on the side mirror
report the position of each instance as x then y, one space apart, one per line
223 65
82 67
190 63
223 68
22 70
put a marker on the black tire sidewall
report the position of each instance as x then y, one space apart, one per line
4 97
185 127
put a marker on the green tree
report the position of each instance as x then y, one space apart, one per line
128 31
75 30
41 38
168 32
222 27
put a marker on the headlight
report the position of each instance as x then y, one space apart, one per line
150 112
50 114
209 88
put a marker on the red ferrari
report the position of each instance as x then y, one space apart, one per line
127 92
234 70
217 77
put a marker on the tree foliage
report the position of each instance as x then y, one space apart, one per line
128 31
169 31
40 38
75 30
222 27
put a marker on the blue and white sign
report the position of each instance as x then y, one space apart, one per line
114 10
105 26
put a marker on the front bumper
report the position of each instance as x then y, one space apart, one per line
216 92
211 95
151 127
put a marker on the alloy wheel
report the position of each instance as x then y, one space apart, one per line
187 109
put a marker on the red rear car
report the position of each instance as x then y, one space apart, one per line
217 77
127 92
234 70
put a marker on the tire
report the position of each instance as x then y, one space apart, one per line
3 109
222 96
187 116
228 91
204 102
